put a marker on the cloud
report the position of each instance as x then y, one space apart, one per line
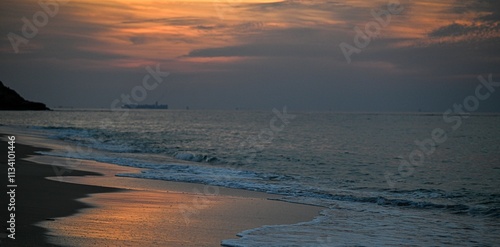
454 29
204 27
257 53
265 50
484 24
138 40
178 21
457 32
489 10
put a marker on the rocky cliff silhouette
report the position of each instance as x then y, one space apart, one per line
11 100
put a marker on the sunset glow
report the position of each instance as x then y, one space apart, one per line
224 36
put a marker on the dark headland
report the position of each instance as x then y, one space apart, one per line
11 100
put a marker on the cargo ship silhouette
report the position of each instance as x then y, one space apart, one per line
137 106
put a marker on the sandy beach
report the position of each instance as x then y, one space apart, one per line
90 206
39 199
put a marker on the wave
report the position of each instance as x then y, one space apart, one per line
223 173
289 186
196 157
366 225
291 189
90 138
122 142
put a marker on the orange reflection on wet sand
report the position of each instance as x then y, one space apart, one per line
161 213
128 219
153 218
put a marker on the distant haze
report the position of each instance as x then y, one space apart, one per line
346 55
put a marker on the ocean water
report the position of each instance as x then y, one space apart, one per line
401 179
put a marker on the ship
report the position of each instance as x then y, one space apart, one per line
137 106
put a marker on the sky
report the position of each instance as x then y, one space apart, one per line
317 55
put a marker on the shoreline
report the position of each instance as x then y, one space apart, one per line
38 199
100 208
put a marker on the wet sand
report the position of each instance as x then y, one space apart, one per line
38 199
90 206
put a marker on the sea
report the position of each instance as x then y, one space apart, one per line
384 179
